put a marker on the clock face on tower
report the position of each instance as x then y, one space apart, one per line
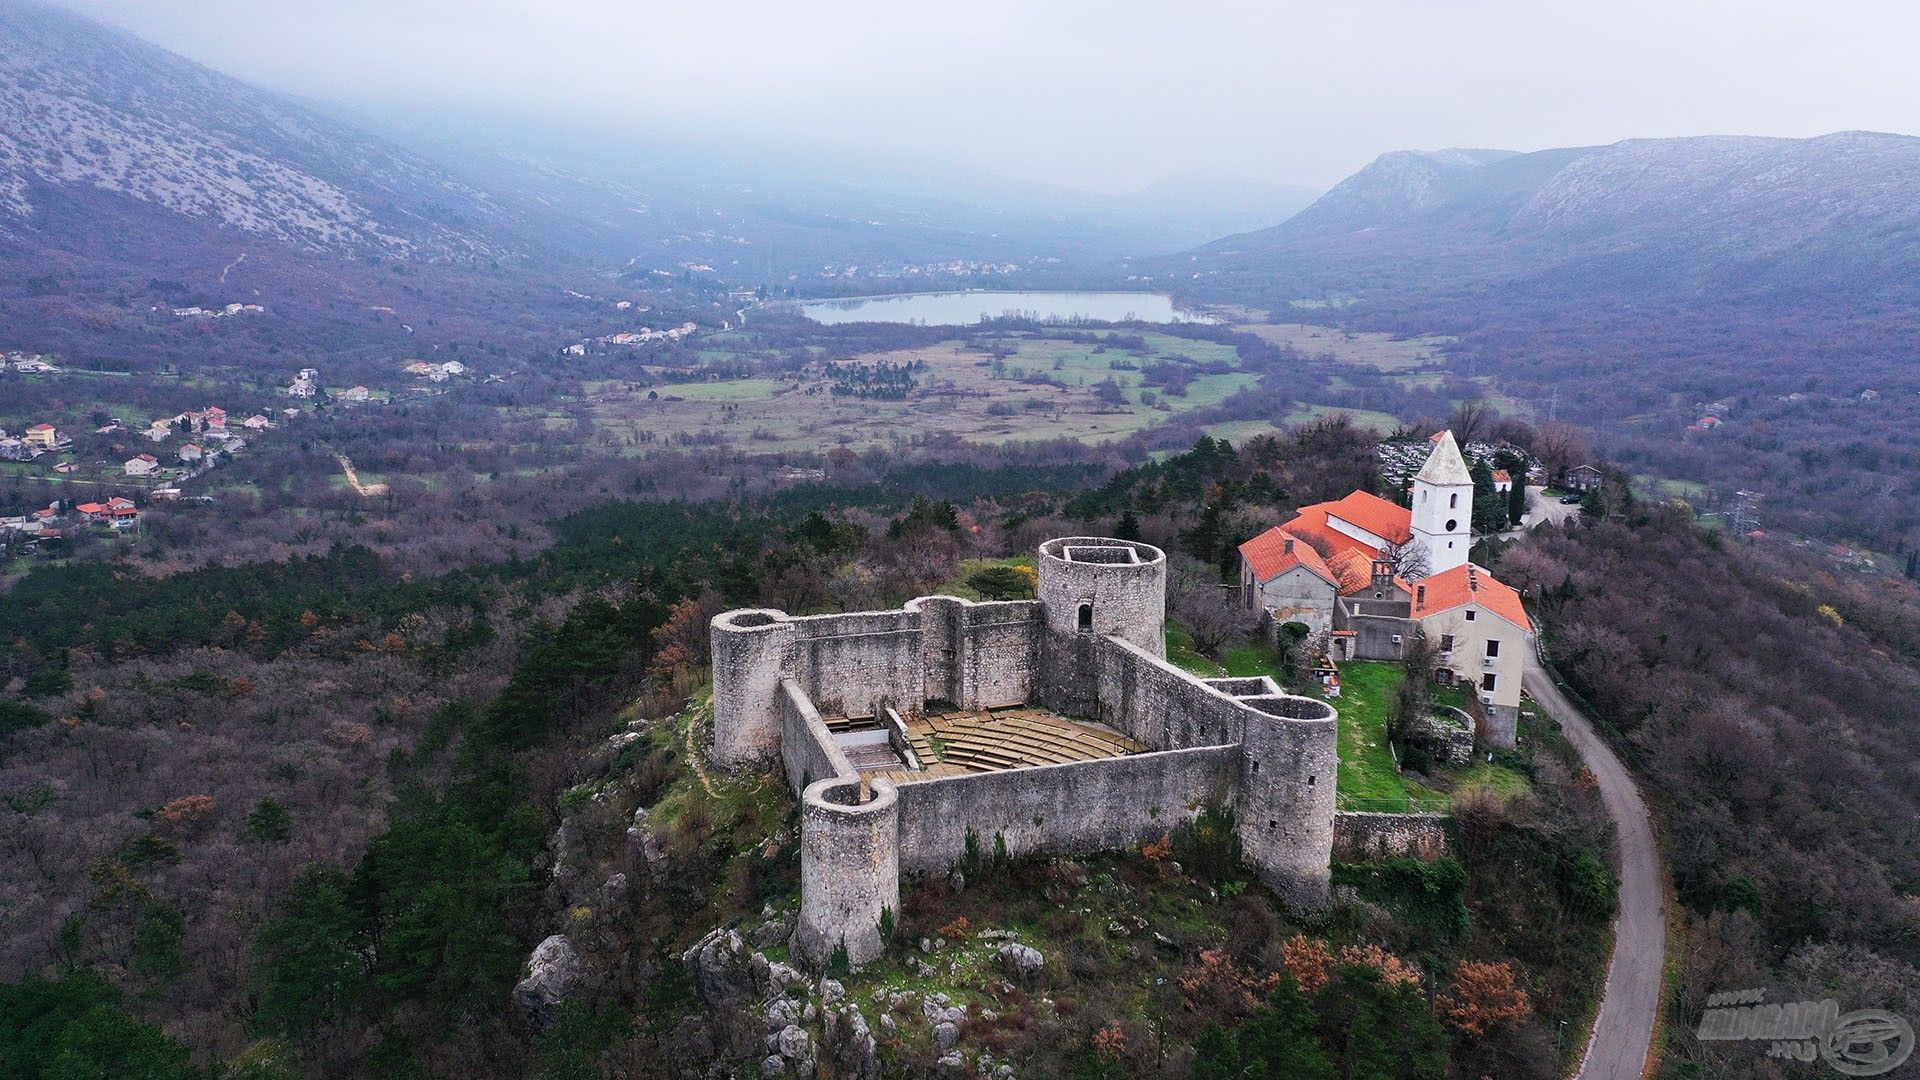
1452 524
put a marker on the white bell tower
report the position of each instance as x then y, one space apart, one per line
1443 506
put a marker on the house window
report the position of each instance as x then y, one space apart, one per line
1086 618
1446 642
1493 646
1453 503
1487 681
1470 611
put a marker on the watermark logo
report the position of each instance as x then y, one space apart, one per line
1866 1042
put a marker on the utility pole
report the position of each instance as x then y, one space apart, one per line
1745 515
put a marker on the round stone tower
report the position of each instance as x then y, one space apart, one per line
849 870
1093 587
1102 586
1289 764
749 655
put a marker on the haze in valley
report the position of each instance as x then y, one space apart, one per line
1099 96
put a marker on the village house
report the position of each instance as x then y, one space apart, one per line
159 431
143 465
1333 566
1502 481
305 384
12 449
43 436
256 422
191 453
1583 478
356 395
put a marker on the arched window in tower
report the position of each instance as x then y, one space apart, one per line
1086 618
1453 503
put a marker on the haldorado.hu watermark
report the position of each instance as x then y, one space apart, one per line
1865 1042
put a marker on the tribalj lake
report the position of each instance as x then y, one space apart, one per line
967 308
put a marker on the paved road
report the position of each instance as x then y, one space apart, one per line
1540 508
1624 1030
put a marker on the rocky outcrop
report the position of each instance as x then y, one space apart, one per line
1021 961
552 972
723 968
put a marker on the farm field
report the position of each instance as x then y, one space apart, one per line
1383 352
1039 389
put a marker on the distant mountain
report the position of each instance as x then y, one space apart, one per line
99 127
1838 213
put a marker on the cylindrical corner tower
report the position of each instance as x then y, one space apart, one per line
1290 764
849 870
749 655
1093 587
1103 586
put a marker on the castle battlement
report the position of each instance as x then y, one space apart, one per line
1054 724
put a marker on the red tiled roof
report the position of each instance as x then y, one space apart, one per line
1277 551
91 508
41 427
1467 584
1371 512
1501 476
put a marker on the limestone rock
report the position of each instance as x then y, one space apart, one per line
831 991
644 842
552 971
849 1044
1020 960
782 975
775 931
945 1034
782 1013
797 1047
773 1065
952 1061
721 967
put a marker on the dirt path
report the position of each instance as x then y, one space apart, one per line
1623 1032
353 479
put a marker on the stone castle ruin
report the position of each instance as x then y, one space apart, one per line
1051 725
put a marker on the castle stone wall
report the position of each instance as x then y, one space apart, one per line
1077 807
1367 837
807 749
999 653
851 665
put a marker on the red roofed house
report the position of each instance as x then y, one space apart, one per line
143 465
1502 481
1283 575
92 511
1331 568
191 452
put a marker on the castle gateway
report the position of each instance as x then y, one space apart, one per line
1048 725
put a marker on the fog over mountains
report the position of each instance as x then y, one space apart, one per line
120 161
1831 214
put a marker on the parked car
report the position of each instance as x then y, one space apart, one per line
1569 500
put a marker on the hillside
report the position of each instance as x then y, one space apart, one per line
1751 215
1634 285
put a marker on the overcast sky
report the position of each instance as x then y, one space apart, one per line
1101 94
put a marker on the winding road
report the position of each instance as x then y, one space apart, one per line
1623 1032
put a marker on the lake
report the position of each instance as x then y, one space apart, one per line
966 308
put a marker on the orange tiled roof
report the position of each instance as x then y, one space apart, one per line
1468 584
1501 476
1370 512
1277 551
